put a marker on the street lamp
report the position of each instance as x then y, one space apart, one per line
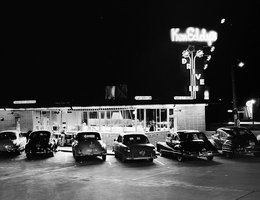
250 105
235 110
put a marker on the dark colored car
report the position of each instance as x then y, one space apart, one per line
12 141
40 142
134 146
187 143
88 144
232 140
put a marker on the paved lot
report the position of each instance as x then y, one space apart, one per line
60 177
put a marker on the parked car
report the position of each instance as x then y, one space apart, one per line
69 135
40 142
232 140
88 144
133 146
12 141
187 143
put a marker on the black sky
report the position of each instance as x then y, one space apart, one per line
66 51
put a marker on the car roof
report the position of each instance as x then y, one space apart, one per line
15 131
78 132
132 133
232 127
188 131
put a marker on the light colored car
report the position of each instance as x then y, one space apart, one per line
12 141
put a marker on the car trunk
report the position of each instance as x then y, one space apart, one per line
141 150
90 146
195 146
40 142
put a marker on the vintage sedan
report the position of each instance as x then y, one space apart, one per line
40 142
235 140
12 141
88 144
187 143
134 146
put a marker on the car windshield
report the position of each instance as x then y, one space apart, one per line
7 135
192 136
88 135
135 139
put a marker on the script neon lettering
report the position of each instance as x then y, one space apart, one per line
194 35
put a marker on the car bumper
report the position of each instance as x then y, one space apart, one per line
141 158
198 154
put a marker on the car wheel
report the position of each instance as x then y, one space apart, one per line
150 160
180 157
51 154
209 157
104 157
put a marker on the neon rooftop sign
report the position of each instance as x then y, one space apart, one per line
194 35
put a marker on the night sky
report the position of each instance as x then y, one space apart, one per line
63 52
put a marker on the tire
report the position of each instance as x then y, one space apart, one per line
150 160
104 157
180 157
210 158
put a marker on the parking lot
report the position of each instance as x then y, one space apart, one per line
60 177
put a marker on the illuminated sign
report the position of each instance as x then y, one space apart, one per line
25 102
194 35
143 97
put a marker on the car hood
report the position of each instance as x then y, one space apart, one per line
197 146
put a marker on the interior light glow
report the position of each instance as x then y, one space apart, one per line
194 35
143 97
24 102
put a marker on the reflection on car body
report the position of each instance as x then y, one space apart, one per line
134 146
12 141
40 143
187 143
88 144
232 140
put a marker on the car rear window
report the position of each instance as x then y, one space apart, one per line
135 139
90 135
7 135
